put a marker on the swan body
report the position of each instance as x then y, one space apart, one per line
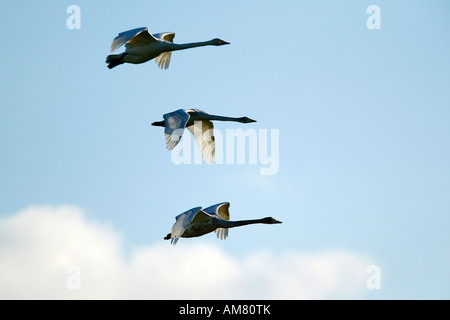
197 222
199 123
142 46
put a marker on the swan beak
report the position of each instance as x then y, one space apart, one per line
224 42
277 221
251 120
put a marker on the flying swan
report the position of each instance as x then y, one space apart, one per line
199 123
142 46
197 222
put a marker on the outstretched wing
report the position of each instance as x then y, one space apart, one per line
138 36
168 36
222 210
163 60
203 132
175 122
184 220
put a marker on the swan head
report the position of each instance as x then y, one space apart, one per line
218 42
270 220
247 120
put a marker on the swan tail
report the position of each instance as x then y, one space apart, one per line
114 60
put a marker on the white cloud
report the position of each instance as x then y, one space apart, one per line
38 244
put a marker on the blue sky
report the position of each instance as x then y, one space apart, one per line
363 118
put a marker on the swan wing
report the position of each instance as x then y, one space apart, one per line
175 122
183 221
168 36
163 60
221 233
201 216
132 37
203 132
142 38
222 210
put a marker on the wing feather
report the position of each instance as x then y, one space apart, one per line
168 36
127 36
203 132
142 38
163 60
182 222
221 210
175 122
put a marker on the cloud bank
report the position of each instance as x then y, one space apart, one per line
56 253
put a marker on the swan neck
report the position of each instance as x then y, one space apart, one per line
221 118
232 224
182 46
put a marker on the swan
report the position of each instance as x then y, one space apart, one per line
196 222
142 46
199 123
